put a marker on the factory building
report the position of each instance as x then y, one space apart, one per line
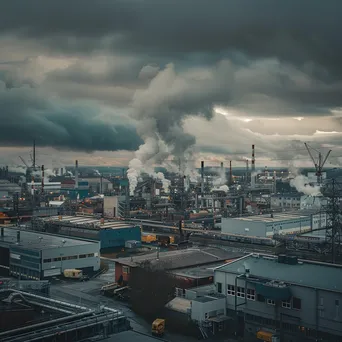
266 225
33 255
110 233
282 298
286 201
8 189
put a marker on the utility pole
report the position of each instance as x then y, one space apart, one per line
333 192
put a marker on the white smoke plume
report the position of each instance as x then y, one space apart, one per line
224 188
161 109
166 183
97 172
17 169
302 184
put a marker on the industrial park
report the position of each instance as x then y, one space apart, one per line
171 171
80 225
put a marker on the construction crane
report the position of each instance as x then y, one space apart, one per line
319 164
24 162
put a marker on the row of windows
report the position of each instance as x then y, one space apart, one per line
72 257
241 292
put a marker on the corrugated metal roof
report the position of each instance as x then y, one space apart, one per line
317 275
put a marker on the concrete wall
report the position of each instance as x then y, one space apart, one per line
243 227
201 311
70 257
110 206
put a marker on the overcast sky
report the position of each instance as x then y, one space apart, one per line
85 79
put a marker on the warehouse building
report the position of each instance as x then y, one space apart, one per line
266 225
282 298
33 255
110 233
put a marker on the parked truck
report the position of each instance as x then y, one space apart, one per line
158 327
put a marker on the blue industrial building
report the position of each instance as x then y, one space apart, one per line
111 234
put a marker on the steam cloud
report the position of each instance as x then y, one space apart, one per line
302 184
161 109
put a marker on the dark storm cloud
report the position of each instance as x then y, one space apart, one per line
27 114
296 31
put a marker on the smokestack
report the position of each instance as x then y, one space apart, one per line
253 158
76 174
32 186
202 183
42 179
18 236
62 173
247 170
230 173
101 191
275 181
34 155
6 173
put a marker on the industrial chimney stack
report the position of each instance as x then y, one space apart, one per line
253 158
230 173
202 183
43 179
76 174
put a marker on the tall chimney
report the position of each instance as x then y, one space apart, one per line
253 158
230 173
62 173
202 183
42 179
247 171
34 155
275 181
222 171
32 186
76 174
101 184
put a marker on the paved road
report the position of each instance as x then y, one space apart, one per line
88 294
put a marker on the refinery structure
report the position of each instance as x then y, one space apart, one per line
66 222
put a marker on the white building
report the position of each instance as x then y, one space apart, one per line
110 206
280 298
266 225
286 201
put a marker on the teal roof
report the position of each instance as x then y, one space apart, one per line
308 274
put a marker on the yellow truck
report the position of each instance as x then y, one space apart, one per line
158 327
73 274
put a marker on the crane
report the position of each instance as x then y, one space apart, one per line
319 164
22 159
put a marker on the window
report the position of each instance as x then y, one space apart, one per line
47 260
125 269
90 255
219 287
240 292
321 313
82 256
270 302
286 304
296 303
321 301
250 294
231 290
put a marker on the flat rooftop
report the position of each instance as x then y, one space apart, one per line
38 240
184 258
89 222
200 271
267 218
309 274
